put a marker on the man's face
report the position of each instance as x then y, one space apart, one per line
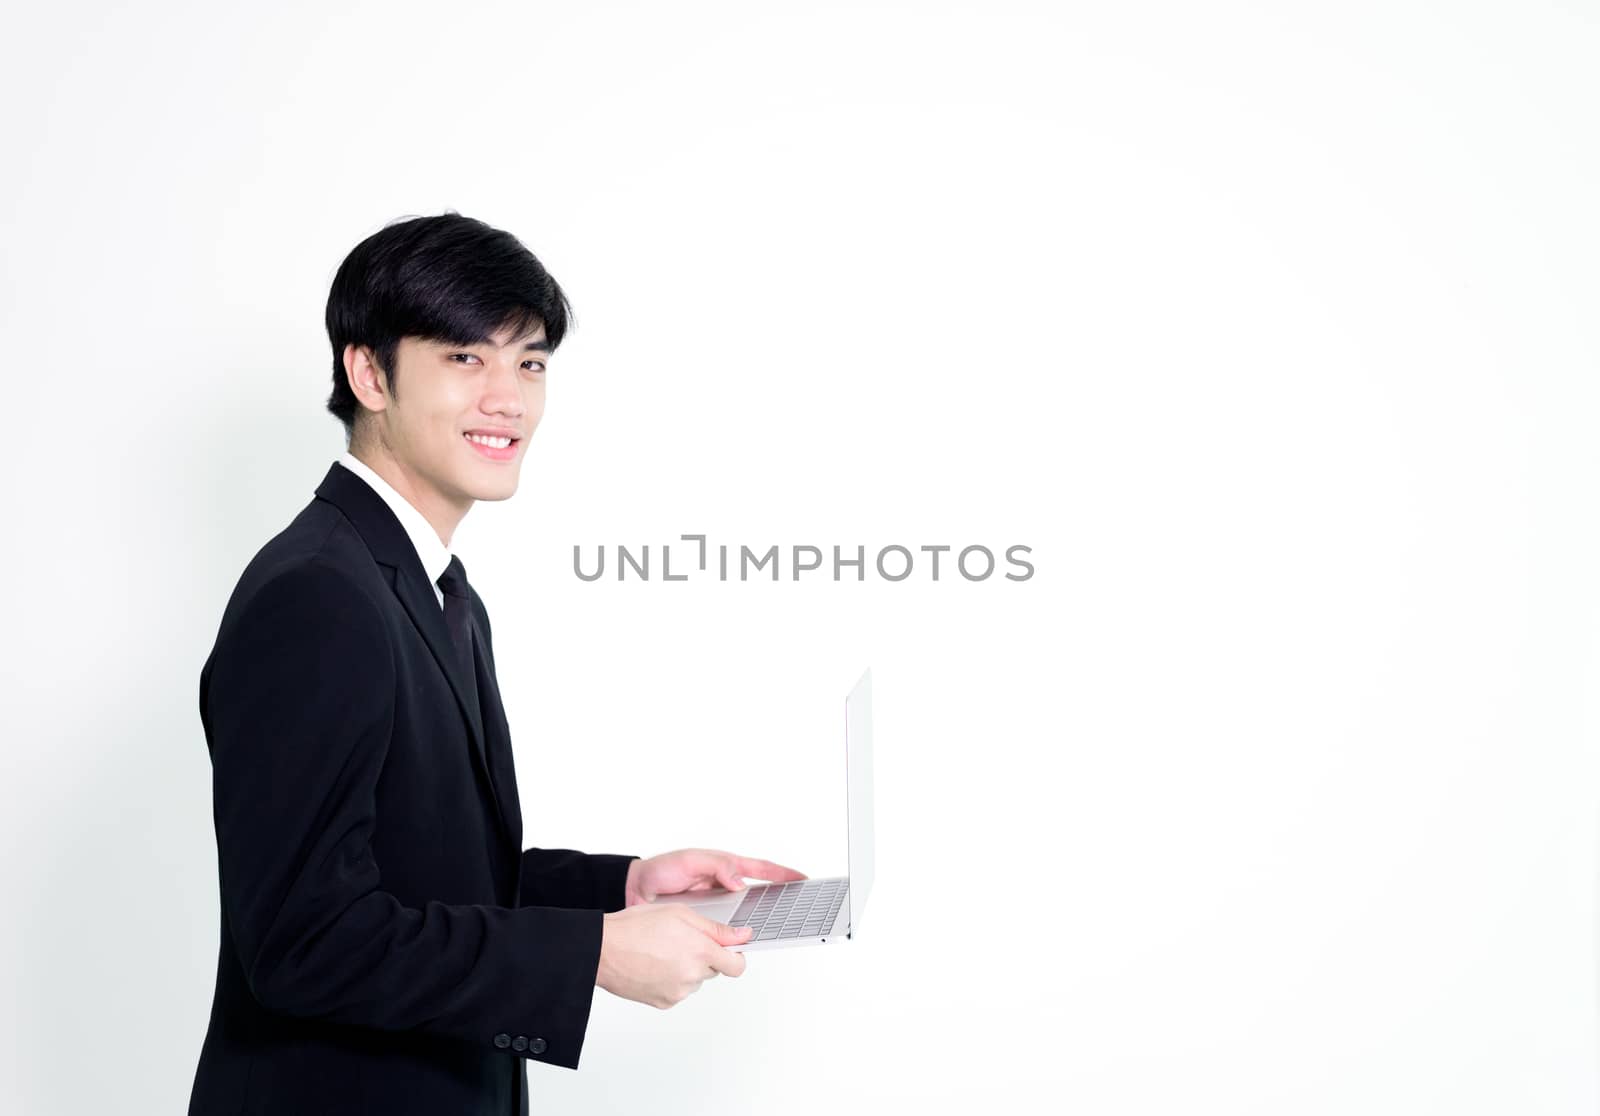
456 405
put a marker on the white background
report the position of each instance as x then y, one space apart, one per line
1270 328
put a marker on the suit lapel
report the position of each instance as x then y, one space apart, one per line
392 548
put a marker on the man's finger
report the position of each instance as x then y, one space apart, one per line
719 932
766 870
726 961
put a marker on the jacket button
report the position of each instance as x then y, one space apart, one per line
520 1043
502 1041
536 1046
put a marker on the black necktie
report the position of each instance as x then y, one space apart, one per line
458 619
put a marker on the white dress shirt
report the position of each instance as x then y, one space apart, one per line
434 554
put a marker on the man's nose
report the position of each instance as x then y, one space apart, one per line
503 392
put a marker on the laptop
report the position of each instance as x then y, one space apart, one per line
811 911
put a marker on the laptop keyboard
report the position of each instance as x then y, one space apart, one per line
798 908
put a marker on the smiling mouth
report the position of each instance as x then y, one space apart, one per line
496 449
488 442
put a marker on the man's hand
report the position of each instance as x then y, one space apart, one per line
660 955
698 870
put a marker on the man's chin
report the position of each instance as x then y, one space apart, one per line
492 492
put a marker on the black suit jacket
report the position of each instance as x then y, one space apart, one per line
387 946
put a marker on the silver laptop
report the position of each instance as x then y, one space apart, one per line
812 911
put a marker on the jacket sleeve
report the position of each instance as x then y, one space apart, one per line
568 878
300 707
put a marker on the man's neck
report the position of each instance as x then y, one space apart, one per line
443 516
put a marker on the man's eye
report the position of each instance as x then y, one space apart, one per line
459 356
540 363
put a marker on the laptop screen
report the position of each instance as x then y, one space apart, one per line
858 793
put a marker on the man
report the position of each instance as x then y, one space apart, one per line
387 944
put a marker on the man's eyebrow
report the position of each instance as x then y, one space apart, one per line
541 345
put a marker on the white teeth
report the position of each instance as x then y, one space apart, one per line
483 440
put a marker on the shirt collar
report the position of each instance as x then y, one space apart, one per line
435 556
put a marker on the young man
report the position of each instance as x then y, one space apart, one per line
387 944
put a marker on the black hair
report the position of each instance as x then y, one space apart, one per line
449 278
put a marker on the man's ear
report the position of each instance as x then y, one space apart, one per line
367 381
